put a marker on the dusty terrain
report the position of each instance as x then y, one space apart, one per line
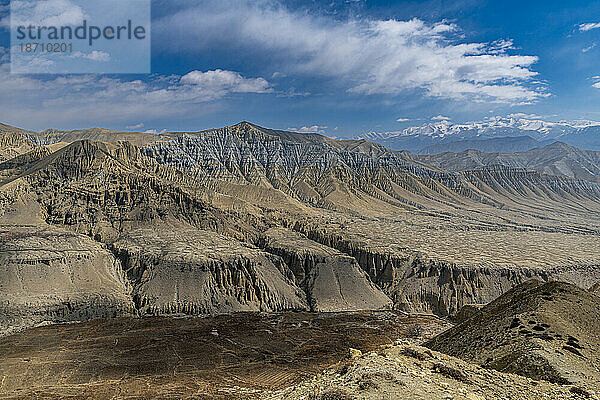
236 356
408 372
101 224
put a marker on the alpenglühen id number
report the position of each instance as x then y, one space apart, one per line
46 47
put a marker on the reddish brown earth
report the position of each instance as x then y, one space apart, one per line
223 357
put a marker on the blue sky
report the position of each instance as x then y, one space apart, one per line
336 67
90 53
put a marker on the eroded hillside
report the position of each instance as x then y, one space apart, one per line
198 220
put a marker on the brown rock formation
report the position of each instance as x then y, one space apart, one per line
430 239
52 275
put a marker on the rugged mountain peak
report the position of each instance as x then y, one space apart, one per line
244 125
418 231
559 145
10 128
87 156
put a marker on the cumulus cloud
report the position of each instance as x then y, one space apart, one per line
70 99
589 26
366 56
440 118
220 81
135 127
309 129
403 120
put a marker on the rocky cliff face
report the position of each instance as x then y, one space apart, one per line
333 281
104 189
417 283
449 268
247 153
179 270
13 142
51 275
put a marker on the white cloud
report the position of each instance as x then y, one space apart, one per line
156 132
596 85
93 99
363 56
135 127
4 15
4 55
292 92
45 13
309 129
226 81
403 120
95 55
589 26
524 116
588 48
440 118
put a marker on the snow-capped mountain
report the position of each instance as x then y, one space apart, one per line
581 133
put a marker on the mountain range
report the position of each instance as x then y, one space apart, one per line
495 134
557 159
97 223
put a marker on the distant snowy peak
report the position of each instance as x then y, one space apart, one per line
580 133
375 136
583 123
490 127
